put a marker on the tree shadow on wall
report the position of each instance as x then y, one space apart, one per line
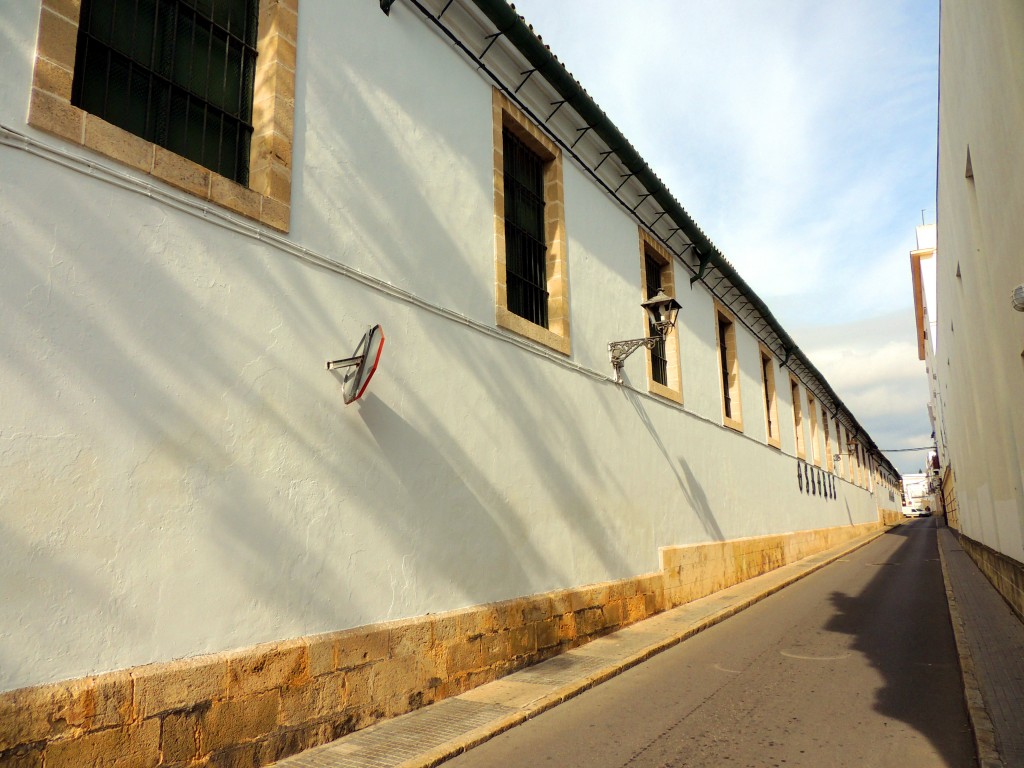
693 493
455 527
78 598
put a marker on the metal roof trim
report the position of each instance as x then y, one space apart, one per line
515 28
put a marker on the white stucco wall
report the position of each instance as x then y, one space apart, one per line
980 339
178 473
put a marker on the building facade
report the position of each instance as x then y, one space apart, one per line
207 553
976 366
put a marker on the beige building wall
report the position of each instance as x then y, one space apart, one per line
978 363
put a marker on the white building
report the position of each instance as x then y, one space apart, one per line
197 530
917 493
976 370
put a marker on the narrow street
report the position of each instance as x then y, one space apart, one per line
853 666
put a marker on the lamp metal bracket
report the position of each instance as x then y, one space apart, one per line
618 351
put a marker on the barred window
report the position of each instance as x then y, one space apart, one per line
770 405
526 248
178 73
829 461
724 328
798 418
813 455
659 358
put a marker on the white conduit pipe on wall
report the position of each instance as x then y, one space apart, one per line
221 218
226 220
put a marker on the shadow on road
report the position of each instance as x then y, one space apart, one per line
901 623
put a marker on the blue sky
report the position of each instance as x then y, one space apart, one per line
801 137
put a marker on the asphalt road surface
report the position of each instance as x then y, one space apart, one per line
854 665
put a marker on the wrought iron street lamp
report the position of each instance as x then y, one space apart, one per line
662 310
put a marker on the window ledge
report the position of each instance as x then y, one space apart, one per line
523 327
736 424
663 391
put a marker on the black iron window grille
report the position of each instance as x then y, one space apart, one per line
766 375
724 326
178 73
828 438
659 359
798 419
525 243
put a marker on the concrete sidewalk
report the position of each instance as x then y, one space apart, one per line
990 642
435 733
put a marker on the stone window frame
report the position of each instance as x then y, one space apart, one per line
673 390
798 419
847 456
731 363
266 199
812 417
771 398
843 458
507 116
829 461
851 451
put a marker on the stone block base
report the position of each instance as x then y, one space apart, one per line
695 571
890 516
256 705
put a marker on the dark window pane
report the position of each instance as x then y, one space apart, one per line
659 359
177 123
97 19
217 74
184 40
145 33
723 353
525 245
137 103
92 92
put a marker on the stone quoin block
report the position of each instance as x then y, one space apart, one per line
415 636
320 698
179 685
361 646
255 671
179 737
236 721
137 746
320 653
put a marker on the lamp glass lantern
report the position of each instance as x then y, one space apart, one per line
662 311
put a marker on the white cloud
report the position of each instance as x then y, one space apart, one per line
872 365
